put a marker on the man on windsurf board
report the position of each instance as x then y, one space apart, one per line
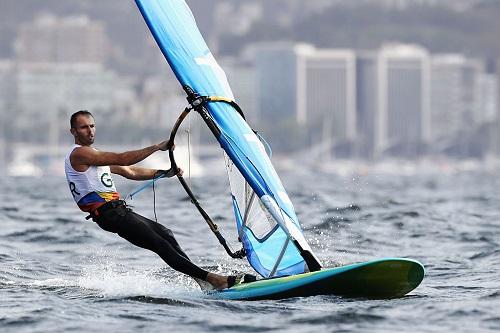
88 172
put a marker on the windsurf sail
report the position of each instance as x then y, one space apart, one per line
265 217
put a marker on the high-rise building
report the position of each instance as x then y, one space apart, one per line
330 98
7 100
488 102
70 39
496 126
308 94
497 67
48 93
7 90
393 101
472 71
447 98
403 99
463 100
242 78
496 142
280 78
162 101
61 69
367 104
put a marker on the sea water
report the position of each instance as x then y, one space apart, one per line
62 273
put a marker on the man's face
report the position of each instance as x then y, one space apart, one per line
84 130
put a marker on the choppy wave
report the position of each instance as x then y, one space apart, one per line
59 272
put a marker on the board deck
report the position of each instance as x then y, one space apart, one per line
379 279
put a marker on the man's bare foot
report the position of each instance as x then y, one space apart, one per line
219 282
204 285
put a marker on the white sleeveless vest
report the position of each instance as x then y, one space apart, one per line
90 188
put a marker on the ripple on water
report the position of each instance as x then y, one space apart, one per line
9 209
342 317
486 254
457 240
400 215
32 236
157 300
18 321
67 220
5 257
329 223
343 210
495 294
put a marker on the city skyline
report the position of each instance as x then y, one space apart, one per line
394 100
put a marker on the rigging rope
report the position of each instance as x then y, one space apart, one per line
189 150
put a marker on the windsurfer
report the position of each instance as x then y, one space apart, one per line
88 172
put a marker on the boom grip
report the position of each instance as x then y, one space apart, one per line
238 254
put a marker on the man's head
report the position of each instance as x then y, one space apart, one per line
83 127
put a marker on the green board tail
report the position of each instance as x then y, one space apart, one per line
380 279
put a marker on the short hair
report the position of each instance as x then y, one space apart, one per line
75 115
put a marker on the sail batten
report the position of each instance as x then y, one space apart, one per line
265 217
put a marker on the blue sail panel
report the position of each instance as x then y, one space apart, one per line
265 216
174 29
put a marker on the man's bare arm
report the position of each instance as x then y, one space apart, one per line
138 173
133 172
83 157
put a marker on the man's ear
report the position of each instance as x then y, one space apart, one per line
72 131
